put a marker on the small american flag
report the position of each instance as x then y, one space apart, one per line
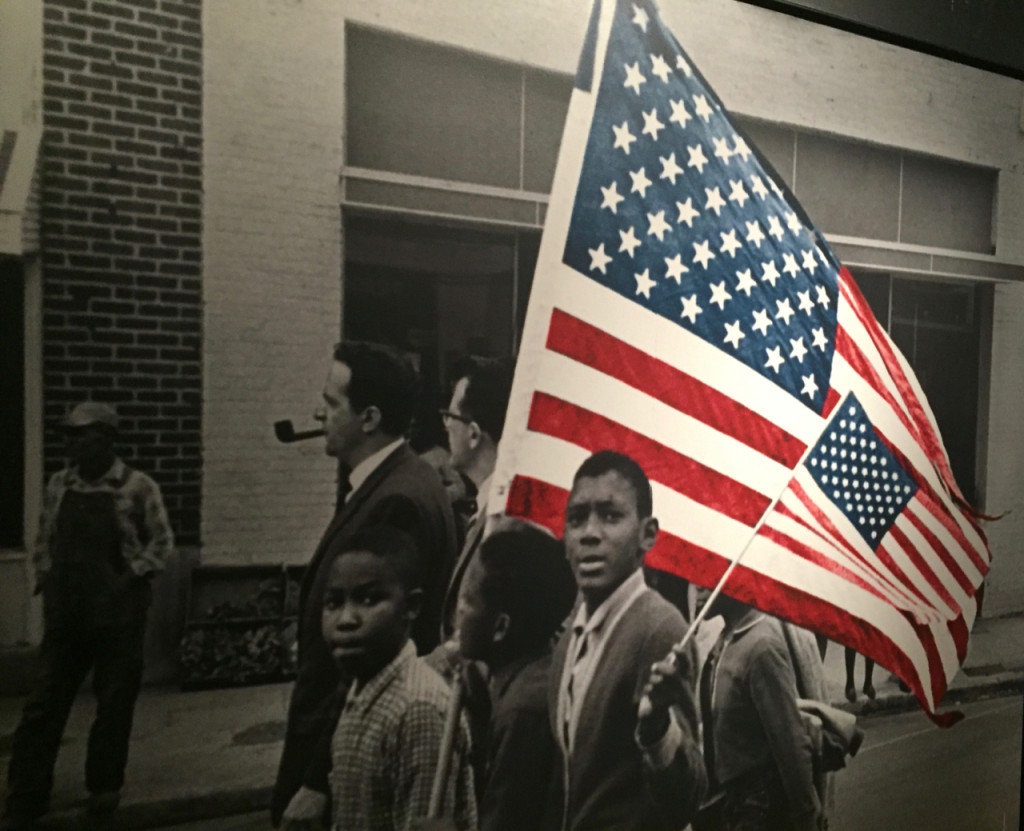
687 313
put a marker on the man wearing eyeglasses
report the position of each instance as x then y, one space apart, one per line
368 402
474 421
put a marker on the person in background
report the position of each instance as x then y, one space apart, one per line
850 655
388 737
620 770
756 747
104 533
514 595
368 401
474 421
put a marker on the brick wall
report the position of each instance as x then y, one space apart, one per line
272 125
121 214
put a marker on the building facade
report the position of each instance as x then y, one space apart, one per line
226 187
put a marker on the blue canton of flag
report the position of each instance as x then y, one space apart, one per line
860 474
675 212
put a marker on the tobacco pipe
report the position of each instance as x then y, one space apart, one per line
285 432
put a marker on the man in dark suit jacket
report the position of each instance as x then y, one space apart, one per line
620 771
369 396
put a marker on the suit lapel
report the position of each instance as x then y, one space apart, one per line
352 504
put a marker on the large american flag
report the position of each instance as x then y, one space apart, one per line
686 312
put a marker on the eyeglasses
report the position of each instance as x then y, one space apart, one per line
448 415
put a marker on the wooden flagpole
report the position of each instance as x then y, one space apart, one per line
444 755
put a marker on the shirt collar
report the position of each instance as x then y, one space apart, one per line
611 605
482 493
113 476
361 472
747 622
361 698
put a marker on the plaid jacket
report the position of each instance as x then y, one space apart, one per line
385 751
146 537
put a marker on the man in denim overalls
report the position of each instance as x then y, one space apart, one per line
104 532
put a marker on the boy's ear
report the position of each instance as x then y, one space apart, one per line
501 626
648 533
413 604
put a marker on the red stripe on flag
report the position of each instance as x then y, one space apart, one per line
929 439
847 347
582 342
958 629
932 503
809 611
926 571
952 566
530 498
812 555
560 419
826 523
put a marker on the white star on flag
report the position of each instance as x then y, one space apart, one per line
658 225
702 253
719 295
687 213
746 281
660 68
623 138
669 168
629 241
640 182
734 334
634 78
690 308
679 114
611 198
651 124
644 283
676 269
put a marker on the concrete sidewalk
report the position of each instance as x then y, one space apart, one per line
197 755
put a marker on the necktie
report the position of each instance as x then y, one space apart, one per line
570 703
707 681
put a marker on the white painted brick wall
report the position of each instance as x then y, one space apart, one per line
272 123
1005 471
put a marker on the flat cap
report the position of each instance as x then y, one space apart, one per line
91 412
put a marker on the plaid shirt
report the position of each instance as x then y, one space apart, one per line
385 751
146 537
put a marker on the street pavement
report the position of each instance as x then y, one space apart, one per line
214 753
908 775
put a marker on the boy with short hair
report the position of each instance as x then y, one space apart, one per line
386 744
620 771
514 595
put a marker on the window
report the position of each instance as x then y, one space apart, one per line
937 326
435 292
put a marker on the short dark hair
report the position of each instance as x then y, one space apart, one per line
527 576
383 378
488 384
393 545
605 461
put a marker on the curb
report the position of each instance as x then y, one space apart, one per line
172 811
1008 683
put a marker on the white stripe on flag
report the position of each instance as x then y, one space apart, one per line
673 344
593 390
555 461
